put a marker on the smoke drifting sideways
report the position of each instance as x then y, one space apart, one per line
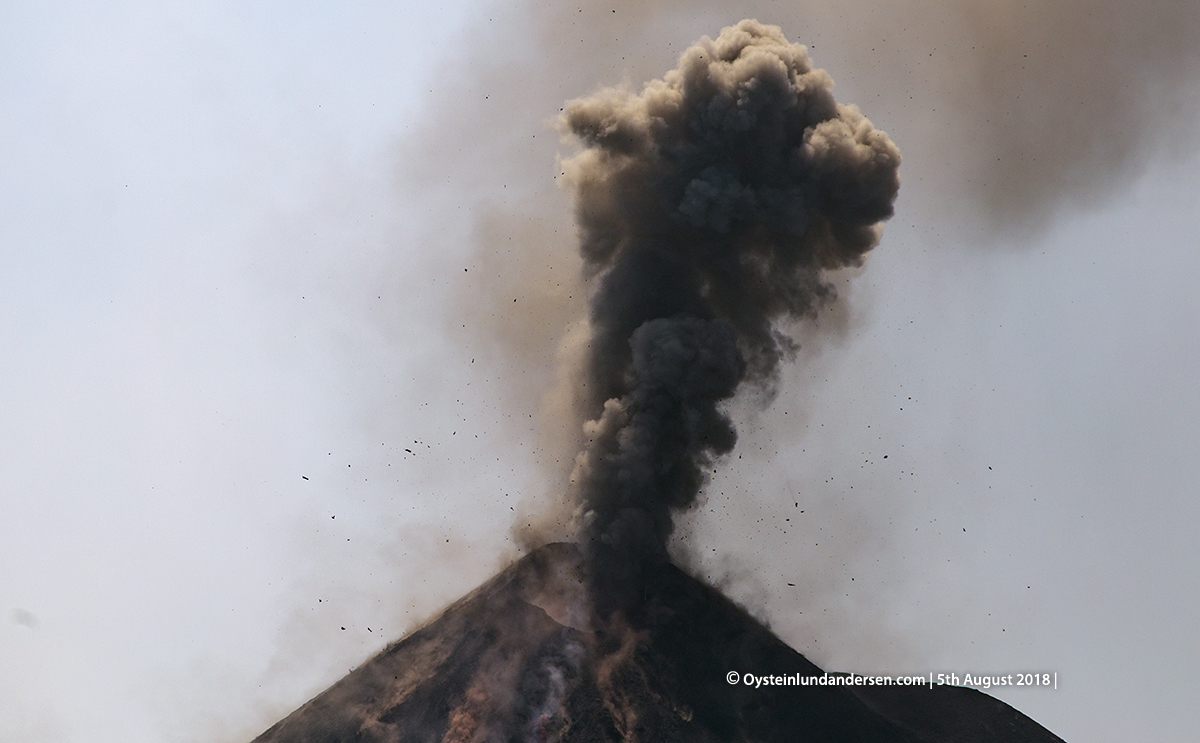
710 205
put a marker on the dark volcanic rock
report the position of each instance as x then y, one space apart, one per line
516 660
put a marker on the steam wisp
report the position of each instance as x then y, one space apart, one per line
710 204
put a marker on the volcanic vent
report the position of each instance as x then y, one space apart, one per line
711 205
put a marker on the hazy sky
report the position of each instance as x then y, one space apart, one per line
281 286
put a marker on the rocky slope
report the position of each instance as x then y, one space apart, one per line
516 660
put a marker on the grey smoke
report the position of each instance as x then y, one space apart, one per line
710 205
25 618
1010 114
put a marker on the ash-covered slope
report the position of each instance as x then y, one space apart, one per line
515 660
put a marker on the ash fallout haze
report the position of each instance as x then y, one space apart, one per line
293 322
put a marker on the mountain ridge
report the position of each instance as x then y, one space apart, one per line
517 660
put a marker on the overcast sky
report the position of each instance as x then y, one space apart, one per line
280 291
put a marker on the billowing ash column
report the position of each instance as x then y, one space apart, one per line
709 205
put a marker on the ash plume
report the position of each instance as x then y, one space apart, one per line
710 204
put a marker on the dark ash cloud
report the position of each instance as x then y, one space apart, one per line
710 204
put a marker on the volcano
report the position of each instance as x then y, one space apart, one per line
518 660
